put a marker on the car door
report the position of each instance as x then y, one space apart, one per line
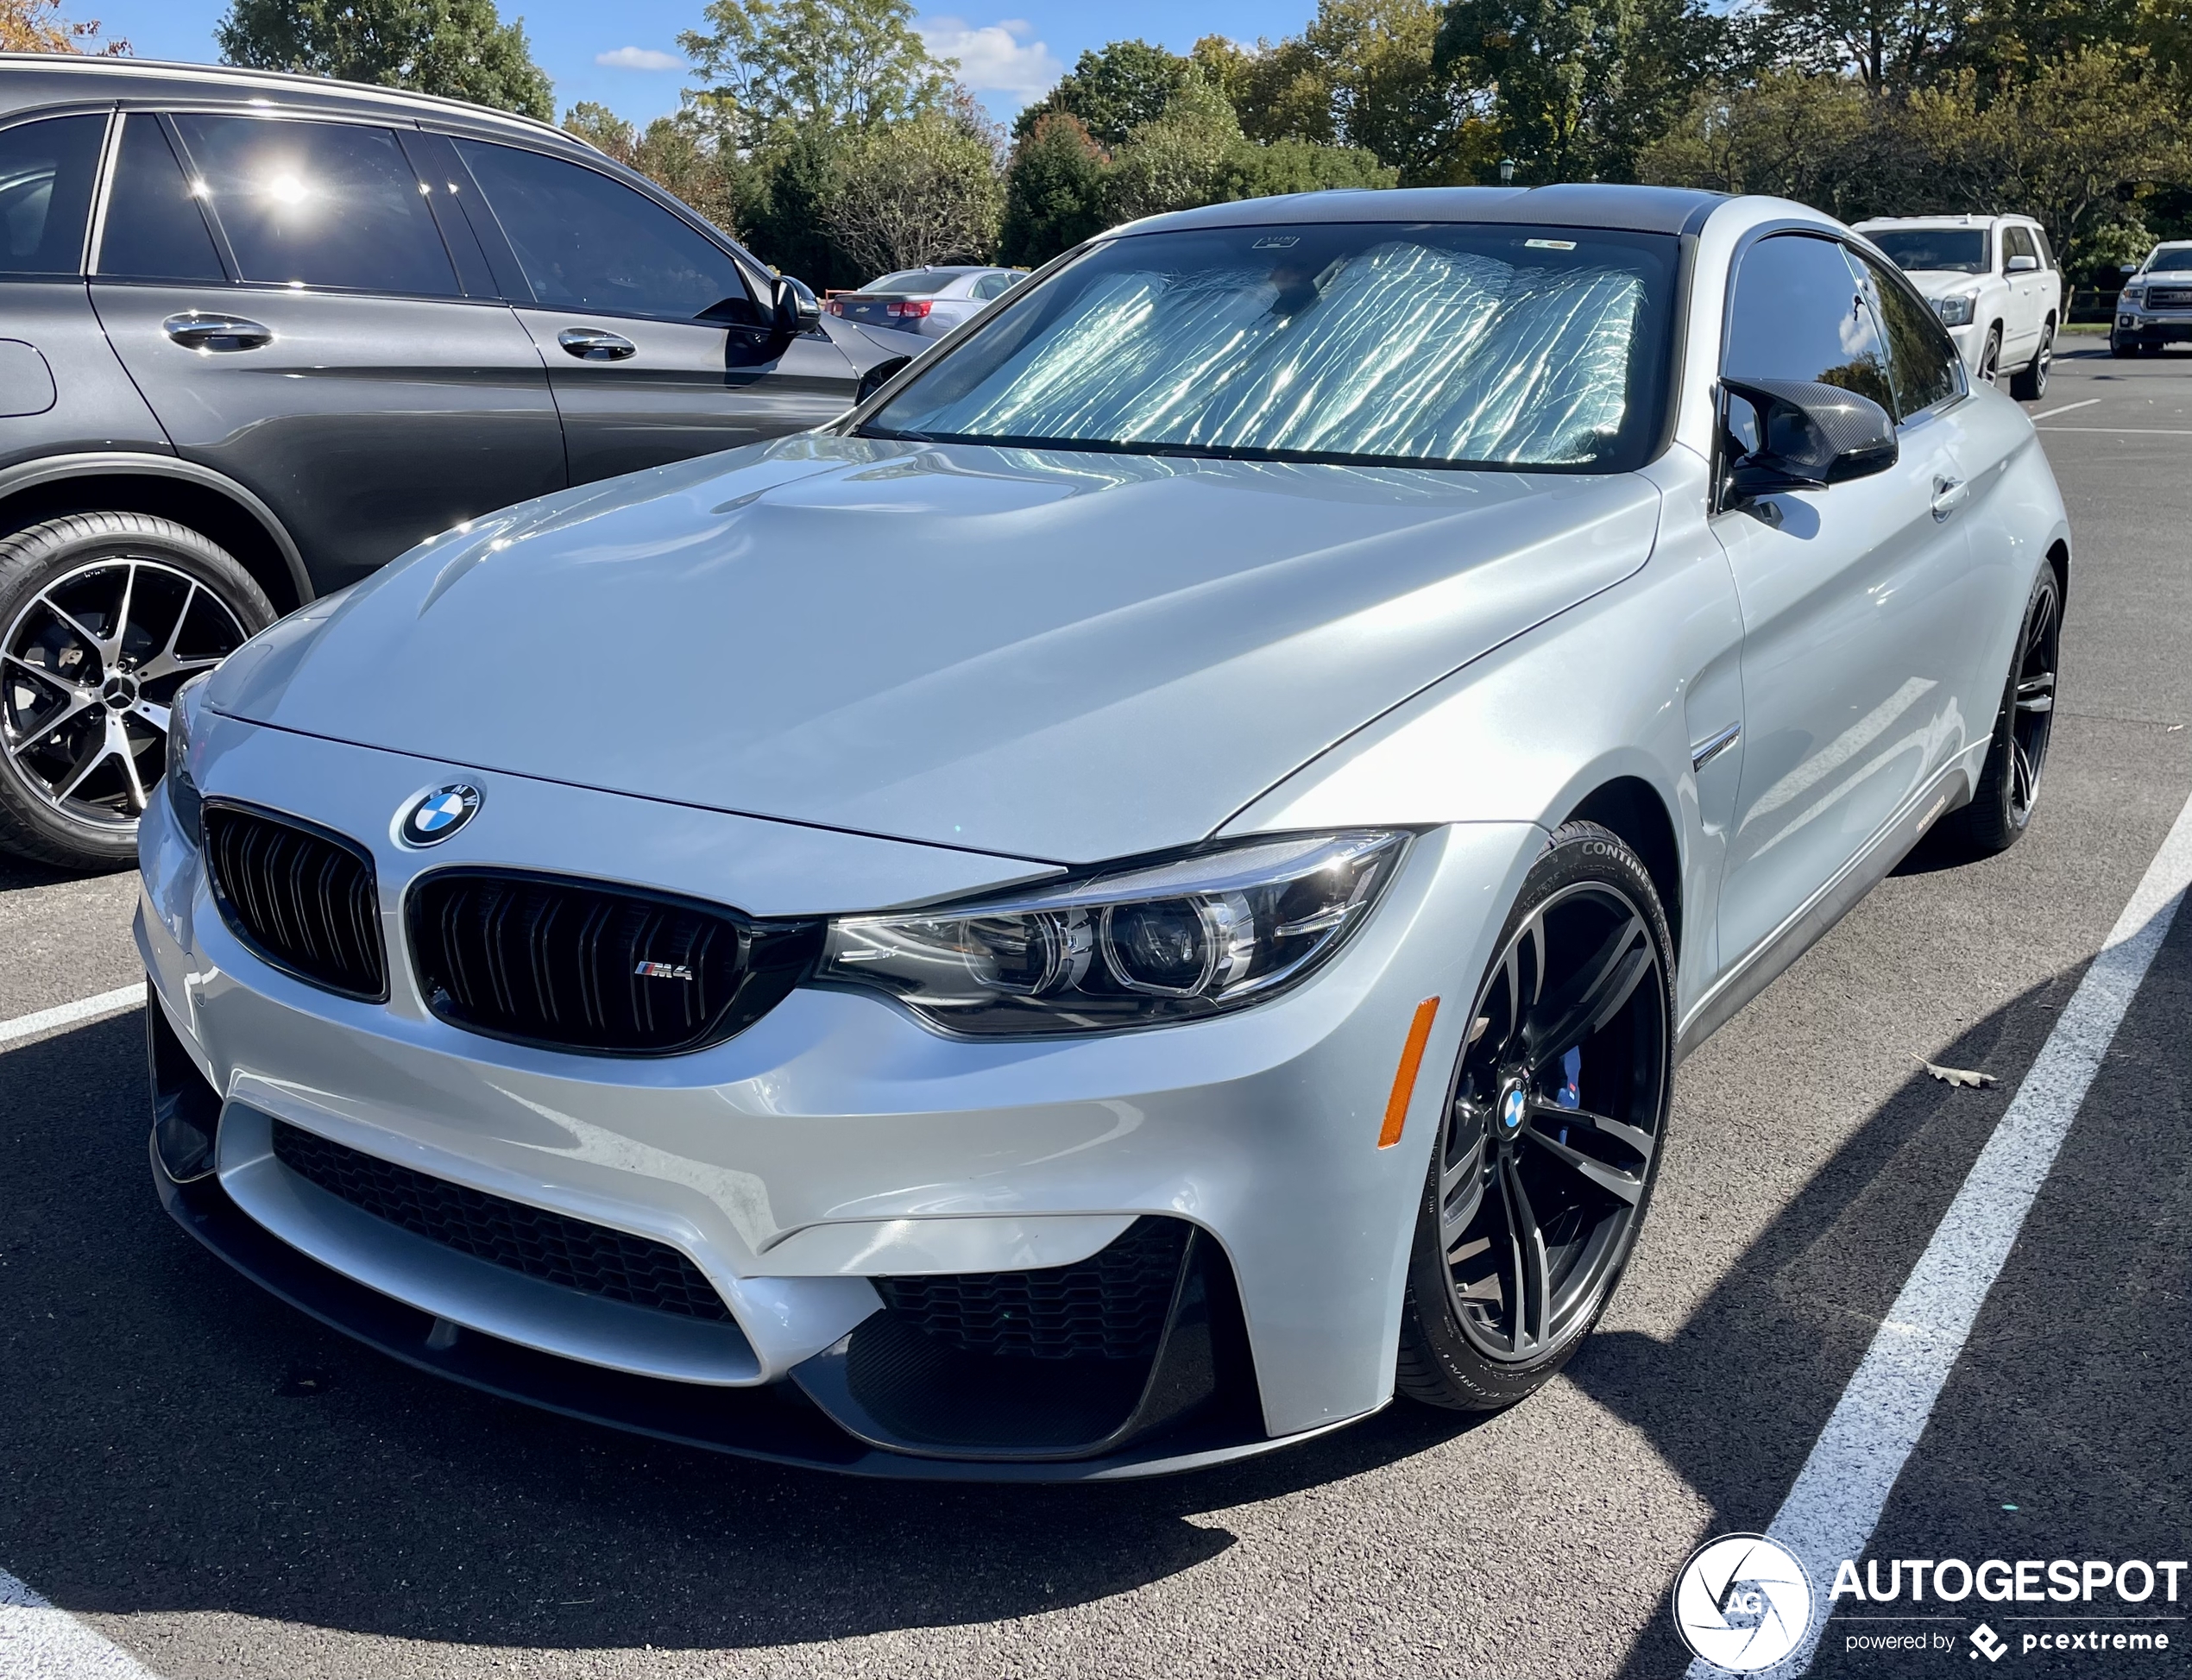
1850 599
293 313
2027 295
657 346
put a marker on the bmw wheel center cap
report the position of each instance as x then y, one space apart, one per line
1512 1108
433 817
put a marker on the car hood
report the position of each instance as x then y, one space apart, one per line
1944 282
1049 655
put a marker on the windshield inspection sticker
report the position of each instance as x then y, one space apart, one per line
1275 242
1548 244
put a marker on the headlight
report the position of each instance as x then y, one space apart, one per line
1130 946
182 792
2132 296
1955 311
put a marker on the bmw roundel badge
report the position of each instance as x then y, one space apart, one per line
433 817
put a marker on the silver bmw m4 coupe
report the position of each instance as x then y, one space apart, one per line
1137 895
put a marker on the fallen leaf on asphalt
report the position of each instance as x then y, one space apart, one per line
1963 1076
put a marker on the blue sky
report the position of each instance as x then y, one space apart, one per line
624 57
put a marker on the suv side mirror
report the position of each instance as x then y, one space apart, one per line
1810 435
796 309
2020 265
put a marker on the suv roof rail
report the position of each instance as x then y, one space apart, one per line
74 64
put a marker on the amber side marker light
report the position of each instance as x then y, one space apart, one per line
1397 1106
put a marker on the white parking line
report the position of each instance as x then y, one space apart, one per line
2119 431
38 1642
2051 413
1831 1511
67 1014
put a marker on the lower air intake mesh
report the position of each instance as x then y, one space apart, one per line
1111 1305
589 1258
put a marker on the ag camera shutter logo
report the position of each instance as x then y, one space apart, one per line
1742 1603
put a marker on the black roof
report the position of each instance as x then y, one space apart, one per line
1577 205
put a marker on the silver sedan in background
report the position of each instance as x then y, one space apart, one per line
928 301
1151 889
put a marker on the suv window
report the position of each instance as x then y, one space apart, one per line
1922 359
2047 251
46 174
1799 311
154 229
588 242
2016 242
319 204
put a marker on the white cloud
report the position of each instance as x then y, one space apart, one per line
994 57
639 57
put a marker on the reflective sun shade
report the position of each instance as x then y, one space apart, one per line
1441 344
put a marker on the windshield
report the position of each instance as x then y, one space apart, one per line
2170 262
1950 250
1387 343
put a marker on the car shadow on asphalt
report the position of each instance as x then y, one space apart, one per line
2053 1406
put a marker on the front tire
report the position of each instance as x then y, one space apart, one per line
103 618
1990 359
2029 383
1550 1143
2009 784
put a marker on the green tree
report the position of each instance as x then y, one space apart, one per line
1580 86
683 154
1054 190
461 48
773 66
918 192
1178 159
1114 90
1296 166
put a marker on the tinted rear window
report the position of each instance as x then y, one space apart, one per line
319 204
46 174
154 229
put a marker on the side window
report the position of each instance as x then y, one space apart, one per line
46 174
1922 359
2018 242
317 203
994 286
588 242
1799 311
2046 250
154 229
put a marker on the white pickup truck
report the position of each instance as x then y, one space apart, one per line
1994 283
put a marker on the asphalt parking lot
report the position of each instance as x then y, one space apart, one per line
222 1487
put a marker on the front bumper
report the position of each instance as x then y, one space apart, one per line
2134 327
834 1142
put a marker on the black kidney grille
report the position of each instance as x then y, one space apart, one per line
576 966
303 900
589 1258
1111 1305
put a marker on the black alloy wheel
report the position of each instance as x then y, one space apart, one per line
2009 784
2029 383
103 618
1550 1144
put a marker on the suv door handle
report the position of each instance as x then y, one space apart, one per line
1948 494
194 331
592 344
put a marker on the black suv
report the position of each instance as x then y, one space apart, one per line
260 333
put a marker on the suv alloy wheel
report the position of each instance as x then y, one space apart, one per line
103 618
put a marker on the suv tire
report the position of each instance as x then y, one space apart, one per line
2029 383
103 618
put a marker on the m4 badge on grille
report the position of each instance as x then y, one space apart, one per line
663 971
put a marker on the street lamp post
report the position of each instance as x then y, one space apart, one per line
1507 172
